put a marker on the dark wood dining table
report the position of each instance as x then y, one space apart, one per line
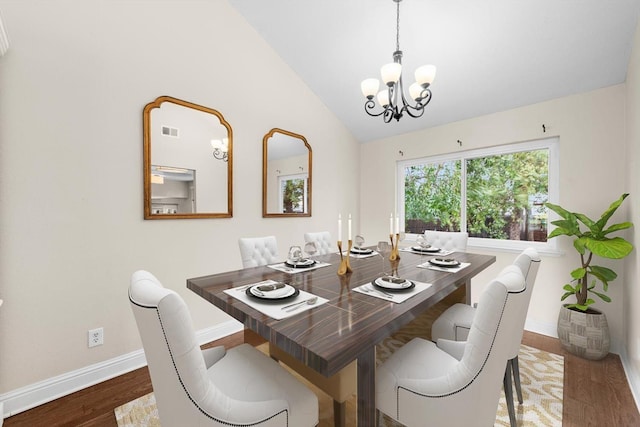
330 336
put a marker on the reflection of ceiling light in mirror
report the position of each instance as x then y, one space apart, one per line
221 149
157 179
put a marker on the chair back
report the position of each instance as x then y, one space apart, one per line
447 240
473 383
322 239
176 365
256 251
528 262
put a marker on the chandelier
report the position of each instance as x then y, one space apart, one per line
221 149
392 99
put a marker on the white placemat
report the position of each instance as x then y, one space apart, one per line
272 308
397 297
354 255
447 269
439 253
290 270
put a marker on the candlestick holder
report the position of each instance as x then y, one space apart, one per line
395 254
345 265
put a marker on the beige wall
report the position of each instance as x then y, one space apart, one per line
591 131
72 89
632 271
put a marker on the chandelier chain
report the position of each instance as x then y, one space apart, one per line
398 25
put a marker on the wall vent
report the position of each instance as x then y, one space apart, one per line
169 131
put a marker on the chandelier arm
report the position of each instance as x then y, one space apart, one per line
419 105
388 114
369 106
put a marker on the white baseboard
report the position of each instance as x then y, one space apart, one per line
633 376
543 328
24 398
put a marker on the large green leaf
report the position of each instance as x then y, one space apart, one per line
591 224
582 307
559 210
603 273
604 218
617 227
579 244
603 297
559 232
615 248
578 273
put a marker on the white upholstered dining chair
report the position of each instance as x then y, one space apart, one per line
455 383
212 387
322 239
256 251
455 324
447 240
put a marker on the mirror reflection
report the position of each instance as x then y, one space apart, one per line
187 161
286 174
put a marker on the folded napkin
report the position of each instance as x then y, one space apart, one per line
396 297
274 309
447 269
272 290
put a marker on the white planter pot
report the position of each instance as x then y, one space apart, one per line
584 334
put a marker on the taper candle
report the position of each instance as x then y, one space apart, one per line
390 223
349 227
339 227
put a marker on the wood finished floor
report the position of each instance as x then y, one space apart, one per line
596 393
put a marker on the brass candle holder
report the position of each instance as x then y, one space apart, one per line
395 254
345 265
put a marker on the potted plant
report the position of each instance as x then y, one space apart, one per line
583 330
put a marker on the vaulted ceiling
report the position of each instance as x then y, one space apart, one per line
491 55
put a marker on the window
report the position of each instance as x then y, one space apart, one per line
494 194
293 193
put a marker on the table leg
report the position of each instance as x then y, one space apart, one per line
366 388
467 289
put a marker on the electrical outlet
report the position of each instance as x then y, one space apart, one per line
96 337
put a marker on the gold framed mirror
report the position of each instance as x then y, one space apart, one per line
286 174
188 161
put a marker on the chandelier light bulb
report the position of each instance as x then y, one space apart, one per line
370 87
383 97
425 74
391 73
415 91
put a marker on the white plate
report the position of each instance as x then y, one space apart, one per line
300 264
390 285
429 249
281 293
361 250
445 262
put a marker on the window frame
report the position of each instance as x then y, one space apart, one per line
551 144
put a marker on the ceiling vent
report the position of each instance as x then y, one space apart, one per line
169 131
